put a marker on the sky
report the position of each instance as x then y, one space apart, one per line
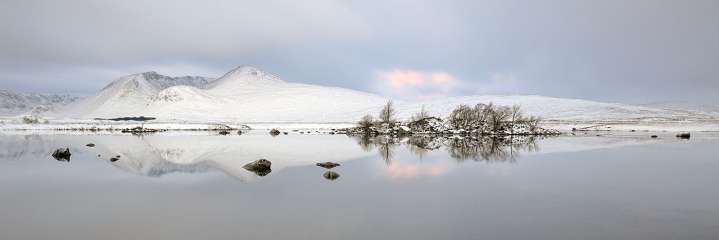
633 51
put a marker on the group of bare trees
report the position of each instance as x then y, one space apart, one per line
494 118
387 115
489 116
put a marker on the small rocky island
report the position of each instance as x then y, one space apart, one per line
464 120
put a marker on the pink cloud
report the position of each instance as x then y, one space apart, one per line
399 78
441 77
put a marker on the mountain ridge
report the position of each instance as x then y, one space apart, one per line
12 103
248 94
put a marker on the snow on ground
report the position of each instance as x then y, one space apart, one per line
247 95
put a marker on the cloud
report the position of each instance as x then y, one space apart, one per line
403 78
90 31
612 50
412 83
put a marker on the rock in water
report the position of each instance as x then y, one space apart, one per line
654 136
62 155
330 175
684 135
260 167
90 145
114 159
328 165
274 132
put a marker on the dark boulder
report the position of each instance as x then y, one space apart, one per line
62 155
261 167
114 159
684 135
224 132
274 132
654 136
328 165
90 145
330 175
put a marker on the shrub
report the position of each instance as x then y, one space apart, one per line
422 114
366 122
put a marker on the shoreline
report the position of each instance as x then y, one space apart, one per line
79 125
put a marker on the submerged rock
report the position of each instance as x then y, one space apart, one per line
90 145
654 136
239 132
114 159
330 175
62 155
224 132
328 165
261 167
684 135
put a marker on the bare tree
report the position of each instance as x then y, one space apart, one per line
515 116
480 116
462 116
388 113
366 122
422 114
498 116
533 123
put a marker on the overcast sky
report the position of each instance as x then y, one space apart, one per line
635 51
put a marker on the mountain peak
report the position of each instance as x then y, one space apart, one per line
249 71
245 74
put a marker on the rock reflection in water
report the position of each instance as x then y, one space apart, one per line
483 148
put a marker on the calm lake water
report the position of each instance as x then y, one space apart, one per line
193 186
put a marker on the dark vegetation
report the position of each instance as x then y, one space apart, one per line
480 119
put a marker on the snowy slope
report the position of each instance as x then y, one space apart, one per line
12 104
128 95
565 109
248 94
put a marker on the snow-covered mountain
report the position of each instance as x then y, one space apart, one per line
248 94
130 95
243 94
12 103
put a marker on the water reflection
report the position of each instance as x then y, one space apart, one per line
423 194
160 155
484 148
330 175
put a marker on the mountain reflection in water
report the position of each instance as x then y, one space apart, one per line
162 154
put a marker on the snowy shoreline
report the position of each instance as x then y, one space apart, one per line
70 125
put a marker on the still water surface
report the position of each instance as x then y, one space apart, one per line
194 187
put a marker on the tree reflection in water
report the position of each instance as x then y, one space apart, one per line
482 148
